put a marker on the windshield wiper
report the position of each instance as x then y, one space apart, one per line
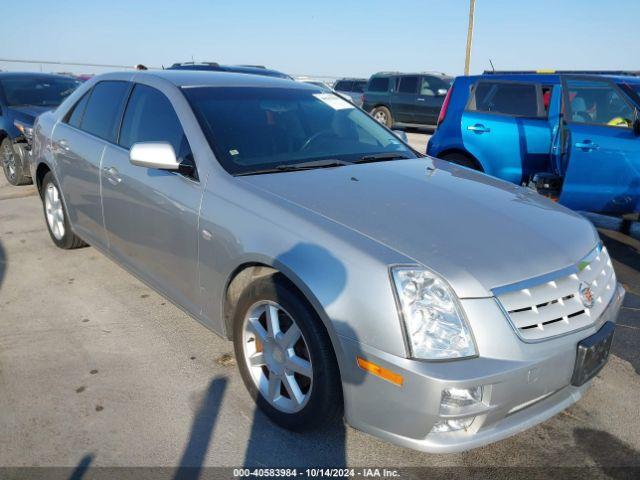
382 157
292 167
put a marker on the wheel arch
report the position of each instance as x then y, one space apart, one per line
461 151
41 170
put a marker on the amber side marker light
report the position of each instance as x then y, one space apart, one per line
379 371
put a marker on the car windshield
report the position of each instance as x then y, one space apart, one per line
256 129
40 91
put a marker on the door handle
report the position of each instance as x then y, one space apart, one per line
112 175
478 128
61 145
422 99
587 146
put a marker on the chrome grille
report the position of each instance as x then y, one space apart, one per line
556 307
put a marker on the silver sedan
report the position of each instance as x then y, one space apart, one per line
437 307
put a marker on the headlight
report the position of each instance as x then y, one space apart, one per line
434 323
24 129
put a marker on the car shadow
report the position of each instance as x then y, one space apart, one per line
614 458
3 263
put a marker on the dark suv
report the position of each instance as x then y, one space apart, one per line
406 99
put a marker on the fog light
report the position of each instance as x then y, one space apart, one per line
453 424
456 399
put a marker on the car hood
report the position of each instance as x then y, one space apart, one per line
28 113
478 232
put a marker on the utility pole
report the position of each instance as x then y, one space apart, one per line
467 60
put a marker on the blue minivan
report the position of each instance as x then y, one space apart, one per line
573 136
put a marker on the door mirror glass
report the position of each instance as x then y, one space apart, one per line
442 91
158 155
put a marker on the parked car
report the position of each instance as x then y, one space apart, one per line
216 67
572 136
23 96
351 87
406 99
442 308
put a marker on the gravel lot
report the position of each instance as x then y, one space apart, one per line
95 368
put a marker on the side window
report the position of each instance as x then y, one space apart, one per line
343 86
426 89
150 117
104 109
358 87
378 84
408 84
517 99
74 117
599 103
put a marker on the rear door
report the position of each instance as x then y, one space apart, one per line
404 99
151 215
78 144
505 127
603 153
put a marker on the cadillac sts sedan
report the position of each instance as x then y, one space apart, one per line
438 308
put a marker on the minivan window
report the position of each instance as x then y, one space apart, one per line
378 84
598 102
150 117
408 84
343 86
518 99
104 108
253 129
359 85
75 116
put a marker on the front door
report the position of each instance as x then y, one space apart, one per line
603 152
151 216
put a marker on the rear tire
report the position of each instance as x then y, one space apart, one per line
383 115
11 164
462 160
55 215
306 391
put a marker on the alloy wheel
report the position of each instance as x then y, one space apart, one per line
54 211
9 160
380 116
277 356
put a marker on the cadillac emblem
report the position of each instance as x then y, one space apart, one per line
586 295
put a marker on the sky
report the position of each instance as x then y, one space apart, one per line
325 38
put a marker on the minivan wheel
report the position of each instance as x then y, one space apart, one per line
285 356
383 115
56 217
461 159
11 165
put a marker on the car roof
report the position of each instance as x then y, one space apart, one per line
552 78
257 70
206 78
32 75
392 74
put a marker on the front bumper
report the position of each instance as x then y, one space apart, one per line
523 384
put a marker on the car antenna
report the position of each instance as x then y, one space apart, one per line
492 67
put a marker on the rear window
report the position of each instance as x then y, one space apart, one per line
378 84
359 85
517 99
343 86
41 91
102 114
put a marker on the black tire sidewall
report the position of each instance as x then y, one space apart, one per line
325 403
67 240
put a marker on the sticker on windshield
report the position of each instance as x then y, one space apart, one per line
334 101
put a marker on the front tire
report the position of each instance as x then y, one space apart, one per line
11 165
285 356
383 115
55 214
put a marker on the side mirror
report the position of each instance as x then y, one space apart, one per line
402 135
442 92
158 155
